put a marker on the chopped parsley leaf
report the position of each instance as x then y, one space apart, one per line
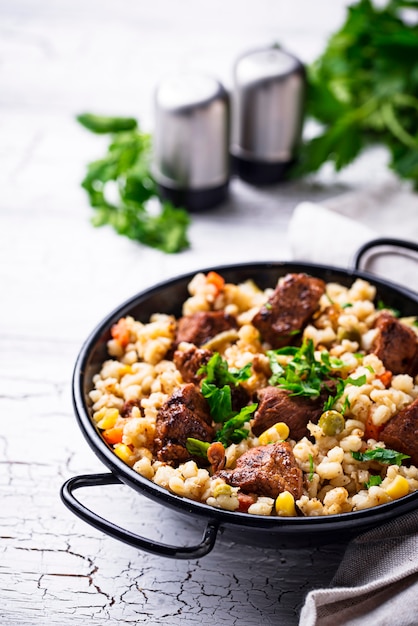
373 482
382 455
216 388
381 306
305 375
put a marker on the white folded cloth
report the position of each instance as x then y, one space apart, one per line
326 236
320 235
377 581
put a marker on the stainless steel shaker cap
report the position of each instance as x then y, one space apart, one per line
267 113
191 140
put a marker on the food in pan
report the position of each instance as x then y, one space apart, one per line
296 400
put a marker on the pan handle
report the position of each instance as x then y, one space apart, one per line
126 536
382 241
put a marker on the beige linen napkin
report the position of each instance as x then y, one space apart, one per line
377 581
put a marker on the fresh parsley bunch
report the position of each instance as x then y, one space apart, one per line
363 90
127 166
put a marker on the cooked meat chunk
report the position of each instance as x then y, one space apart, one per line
289 308
202 326
266 470
185 414
189 361
396 345
126 410
277 405
240 397
401 432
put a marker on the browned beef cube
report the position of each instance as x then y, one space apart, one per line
126 410
289 308
202 326
277 405
240 397
400 433
396 345
267 471
189 361
185 414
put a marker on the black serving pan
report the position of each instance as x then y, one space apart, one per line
167 297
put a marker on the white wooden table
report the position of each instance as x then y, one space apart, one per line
59 277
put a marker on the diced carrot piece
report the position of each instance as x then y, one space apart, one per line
245 501
386 378
113 435
120 332
372 431
215 279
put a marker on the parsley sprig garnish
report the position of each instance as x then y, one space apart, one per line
305 375
136 211
216 388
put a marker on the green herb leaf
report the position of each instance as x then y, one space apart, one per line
216 388
232 431
381 306
102 124
219 400
382 455
373 482
357 382
304 375
217 371
125 170
197 447
363 90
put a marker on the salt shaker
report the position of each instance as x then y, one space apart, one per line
191 161
267 114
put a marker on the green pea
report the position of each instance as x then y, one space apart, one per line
332 423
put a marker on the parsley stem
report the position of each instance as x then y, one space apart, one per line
393 125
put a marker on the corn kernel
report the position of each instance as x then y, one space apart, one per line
98 415
123 452
279 432
285 504
222 490
109 419
398 488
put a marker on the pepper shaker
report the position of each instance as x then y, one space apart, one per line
267 114
191 163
